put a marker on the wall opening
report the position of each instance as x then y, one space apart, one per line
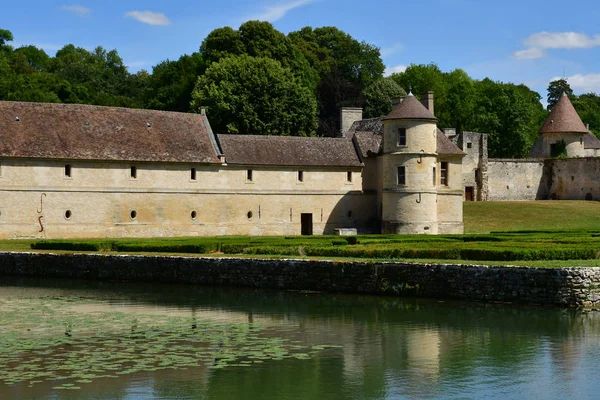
68 214
444 173
194 215
249 175
306 224
249 215
300 176
434 178
133 172
589 197
401 136
349 176
67 170
469 193
193 174
401 175
133 215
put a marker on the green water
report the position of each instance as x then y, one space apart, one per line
88 340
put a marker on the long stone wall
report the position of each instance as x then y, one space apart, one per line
575 178
517 179
573 287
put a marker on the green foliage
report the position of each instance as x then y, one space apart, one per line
379 96
252 95
556 89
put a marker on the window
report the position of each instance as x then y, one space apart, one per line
444 173
469 145
434 178
133 172
349 176
300 176
67 171
249 176
133 215
401 136
401 177
193 215
193 174
68 214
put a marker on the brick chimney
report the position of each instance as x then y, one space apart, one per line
427 101
348 116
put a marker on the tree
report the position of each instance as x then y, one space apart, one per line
555 91
379 96
588 108
5 36
255 95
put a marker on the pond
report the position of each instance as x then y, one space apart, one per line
62 339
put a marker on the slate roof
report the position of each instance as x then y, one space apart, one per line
590 141
410 108
563 118
84 132
288 150
369 143
368 125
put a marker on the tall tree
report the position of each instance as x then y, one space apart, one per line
556 89
255 95
379 96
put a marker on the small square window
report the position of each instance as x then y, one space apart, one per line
67 171
193 174
469 145
401 176
300 176
133 172
249 175
401 136
349 176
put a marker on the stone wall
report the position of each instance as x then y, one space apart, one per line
517 179
575 178
572 287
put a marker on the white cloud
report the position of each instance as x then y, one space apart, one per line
583 83
149 17
278 11
394 70
77 9
562 40
538 42
529 54
388 51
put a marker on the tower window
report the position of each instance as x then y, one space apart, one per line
249 175
193 174
68 171
434 177
300 176
401 175
444 173
401 136
133 172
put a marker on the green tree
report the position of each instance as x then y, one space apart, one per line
5 36
379 96
251 95
556 89
588 108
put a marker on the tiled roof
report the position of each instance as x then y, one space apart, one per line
563 118
410 108
369 143
590 141
445 146
83 132
288 150
368 125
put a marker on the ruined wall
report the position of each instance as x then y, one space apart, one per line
572 287
517 179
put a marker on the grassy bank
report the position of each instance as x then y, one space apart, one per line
542 233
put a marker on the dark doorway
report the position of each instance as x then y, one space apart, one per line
469 193
306 222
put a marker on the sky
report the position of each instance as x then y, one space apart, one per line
527 41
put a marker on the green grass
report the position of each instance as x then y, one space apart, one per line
541 233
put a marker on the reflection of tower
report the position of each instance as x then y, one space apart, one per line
409 202
423 349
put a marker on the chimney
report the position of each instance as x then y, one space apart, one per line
348 116
397 100
427 101
202 110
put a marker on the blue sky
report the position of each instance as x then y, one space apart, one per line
526 41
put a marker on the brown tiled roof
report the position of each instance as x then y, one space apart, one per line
563 118
83 132
288 150
445 146
410 108
369 142
368 125
590 141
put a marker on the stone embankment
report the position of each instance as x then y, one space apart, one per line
571 287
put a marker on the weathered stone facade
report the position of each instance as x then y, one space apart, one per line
567 287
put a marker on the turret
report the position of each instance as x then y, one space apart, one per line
409 198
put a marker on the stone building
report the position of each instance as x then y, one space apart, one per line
90 171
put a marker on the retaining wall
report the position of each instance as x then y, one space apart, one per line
573 287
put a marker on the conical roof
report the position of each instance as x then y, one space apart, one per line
410 108
563 118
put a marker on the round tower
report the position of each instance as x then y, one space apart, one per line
409 195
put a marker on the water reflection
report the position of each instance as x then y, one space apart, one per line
390 348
